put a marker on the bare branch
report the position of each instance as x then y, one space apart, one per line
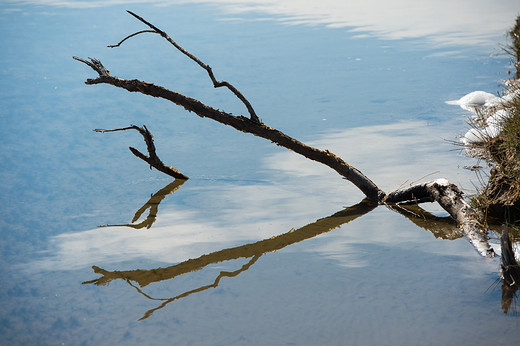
446 194
153 159
216 84
246 125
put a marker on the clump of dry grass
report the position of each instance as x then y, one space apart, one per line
501 195
500 198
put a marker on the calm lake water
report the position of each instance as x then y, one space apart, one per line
366 81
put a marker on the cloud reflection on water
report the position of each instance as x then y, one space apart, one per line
443 22
298 192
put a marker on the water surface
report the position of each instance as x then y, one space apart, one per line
323 267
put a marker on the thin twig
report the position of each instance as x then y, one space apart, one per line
129 36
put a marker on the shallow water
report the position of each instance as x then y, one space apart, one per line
322 268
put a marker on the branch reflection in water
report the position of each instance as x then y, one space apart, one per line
446 228
253 251
440 227
153 205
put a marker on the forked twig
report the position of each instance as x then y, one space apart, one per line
153 160
95 64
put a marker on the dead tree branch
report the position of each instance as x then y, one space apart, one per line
153 160
242 124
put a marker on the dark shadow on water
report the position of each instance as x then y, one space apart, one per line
510 271
440 227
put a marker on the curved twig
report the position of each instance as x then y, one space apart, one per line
130 36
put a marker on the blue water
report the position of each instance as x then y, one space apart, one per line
375 99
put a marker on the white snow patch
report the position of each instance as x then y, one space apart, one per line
474 100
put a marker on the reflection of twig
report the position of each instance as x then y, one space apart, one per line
251 125
440 227
153 205
146 277
153 160
200 289
253 251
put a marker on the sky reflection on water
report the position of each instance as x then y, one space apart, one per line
335 82
443 22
